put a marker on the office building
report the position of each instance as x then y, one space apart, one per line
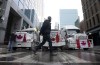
91 13
77 22
17 15
68 17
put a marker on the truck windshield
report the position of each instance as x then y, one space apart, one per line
53 34
30 32
83 37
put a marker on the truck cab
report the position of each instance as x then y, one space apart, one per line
79 41
25 37
58 40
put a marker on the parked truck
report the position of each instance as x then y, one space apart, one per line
25 37
58 40
76 40
79 41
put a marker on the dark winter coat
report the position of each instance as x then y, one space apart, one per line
13 37
46 28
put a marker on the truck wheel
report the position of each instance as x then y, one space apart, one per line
86 48
70 48
61 48
14 48
30 48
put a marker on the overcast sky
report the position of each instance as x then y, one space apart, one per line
52 7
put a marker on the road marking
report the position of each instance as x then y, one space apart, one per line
27 59
62 57
74 58
10 54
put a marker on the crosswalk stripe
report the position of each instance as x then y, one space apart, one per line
75 59
23 58
62 57
10 54
65 57
28 59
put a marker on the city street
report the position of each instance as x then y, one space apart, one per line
70 57
70 28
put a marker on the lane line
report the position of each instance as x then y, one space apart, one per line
76 59
10 54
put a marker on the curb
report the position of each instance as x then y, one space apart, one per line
3 50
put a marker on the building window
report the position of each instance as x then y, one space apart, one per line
27 13
16 1
88 13
93 21
95 7
32 15
98 19
91 11
21 5
92 1
99 1
90 23
85 15
22 1
87 24
25 25
26 4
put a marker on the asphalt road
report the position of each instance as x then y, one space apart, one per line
66 57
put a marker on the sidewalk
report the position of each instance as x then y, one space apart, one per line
96 49
3 49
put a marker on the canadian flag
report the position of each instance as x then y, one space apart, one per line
24 39
19 37
57 38
89 43
78 43
83 44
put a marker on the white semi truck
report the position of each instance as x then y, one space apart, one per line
79 41
58 40
76 40
25 37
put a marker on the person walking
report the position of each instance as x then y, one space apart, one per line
11 42
45 32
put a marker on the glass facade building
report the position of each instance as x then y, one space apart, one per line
68 17
27 7
20 14
31 8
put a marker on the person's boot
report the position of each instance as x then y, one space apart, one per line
34 51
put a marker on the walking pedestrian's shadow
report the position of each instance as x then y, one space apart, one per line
42 57
35 56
